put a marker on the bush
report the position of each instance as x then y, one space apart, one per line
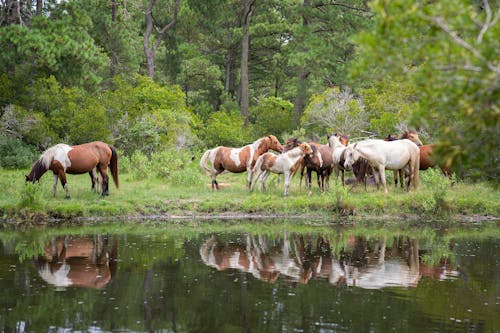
178 167
225 129
15 153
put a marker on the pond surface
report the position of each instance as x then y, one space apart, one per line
342 280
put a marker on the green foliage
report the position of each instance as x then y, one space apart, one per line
389 104
56 44
148 117
30 196
15 153
176 167
445 53
224 129
71 115
272 115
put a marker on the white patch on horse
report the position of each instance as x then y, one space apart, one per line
320 158
234 155
59 153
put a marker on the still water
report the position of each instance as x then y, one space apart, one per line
330 280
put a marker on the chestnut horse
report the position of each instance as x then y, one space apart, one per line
286 163
224 159
320 161
381 155
74 160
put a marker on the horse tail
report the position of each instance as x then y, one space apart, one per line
204 162
113 166
257 171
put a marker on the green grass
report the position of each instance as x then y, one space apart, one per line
435 198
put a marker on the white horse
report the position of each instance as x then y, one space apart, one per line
338 155
391 155
286 163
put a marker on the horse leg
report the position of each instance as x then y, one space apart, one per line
92 179
64 184
287 182
308 181
263 180
381 171
395 178
54 186
320 181
103 170
249 178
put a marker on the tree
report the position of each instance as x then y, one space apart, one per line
448 50
334 111
247 9
151 47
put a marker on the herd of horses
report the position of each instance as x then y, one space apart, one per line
367 159
405 155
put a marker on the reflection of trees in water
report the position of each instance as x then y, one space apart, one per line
370 264
78 261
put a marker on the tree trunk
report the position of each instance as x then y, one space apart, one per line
150 52
301 95
113 56
39 7
245 47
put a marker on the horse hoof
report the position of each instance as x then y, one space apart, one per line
68 197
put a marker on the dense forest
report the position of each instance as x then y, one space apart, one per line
183 75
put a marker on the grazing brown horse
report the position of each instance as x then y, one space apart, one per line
224 159
74 160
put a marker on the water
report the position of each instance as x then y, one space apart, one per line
340 280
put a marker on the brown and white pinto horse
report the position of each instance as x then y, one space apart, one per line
286 163
224 159
74 160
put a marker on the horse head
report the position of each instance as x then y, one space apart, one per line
274 144
343 138
306 149
351 155
36 172
413 137
291 143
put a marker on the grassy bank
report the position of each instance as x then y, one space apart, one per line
141 196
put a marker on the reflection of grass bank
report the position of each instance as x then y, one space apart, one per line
154 196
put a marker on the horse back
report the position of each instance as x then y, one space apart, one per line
232 159
86 156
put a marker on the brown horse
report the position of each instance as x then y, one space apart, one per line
74 160
320 161
224 159
427 160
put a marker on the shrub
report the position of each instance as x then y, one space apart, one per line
15 153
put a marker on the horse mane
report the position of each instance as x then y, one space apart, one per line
48 155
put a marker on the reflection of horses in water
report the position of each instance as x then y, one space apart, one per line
78 261
299 258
